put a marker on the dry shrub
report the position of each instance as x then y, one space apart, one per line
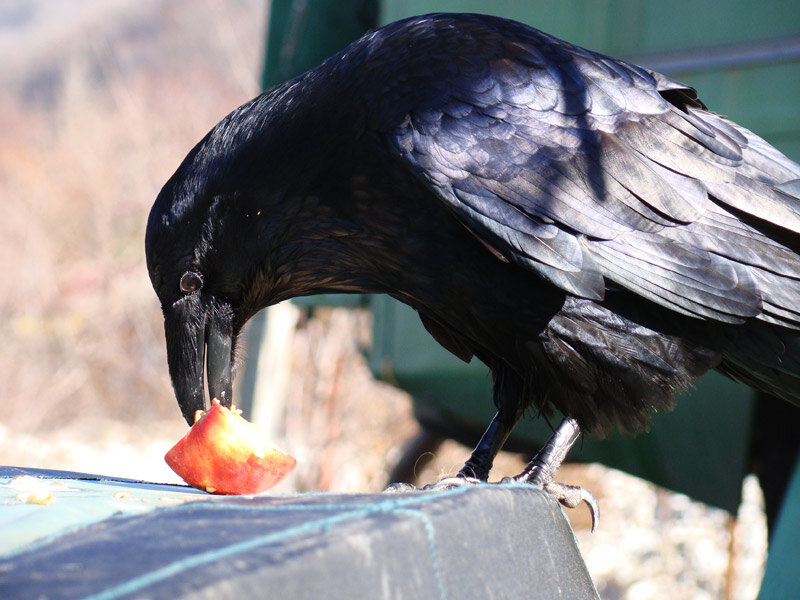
80 166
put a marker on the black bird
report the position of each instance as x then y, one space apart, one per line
584 226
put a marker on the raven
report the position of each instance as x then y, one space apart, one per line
585 227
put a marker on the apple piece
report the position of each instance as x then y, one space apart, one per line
223 453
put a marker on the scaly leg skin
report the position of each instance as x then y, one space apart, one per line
542 468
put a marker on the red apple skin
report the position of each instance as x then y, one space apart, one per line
224 454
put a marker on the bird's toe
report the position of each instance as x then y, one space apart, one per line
571 496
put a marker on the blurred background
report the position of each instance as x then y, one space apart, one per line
99 102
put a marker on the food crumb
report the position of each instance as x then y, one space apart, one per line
37 497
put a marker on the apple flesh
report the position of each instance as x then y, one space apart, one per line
224 454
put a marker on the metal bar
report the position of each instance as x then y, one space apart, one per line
725 56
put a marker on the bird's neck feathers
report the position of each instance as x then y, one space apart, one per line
344 234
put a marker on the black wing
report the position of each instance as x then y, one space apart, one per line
590 170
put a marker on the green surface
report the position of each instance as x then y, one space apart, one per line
514 540
301 34
73 501
782 576
628 26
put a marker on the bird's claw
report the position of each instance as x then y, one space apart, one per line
571 496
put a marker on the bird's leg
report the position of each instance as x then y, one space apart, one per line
480 462
508 391
542 468
545 463
539 471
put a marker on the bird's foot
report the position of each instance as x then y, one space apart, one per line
448 483
569 496
539 472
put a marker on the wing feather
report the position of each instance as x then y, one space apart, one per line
588 170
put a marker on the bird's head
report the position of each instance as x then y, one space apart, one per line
246 221
208 247
200 292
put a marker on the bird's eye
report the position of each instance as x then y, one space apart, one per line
191 281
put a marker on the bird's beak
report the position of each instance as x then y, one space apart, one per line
196 333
